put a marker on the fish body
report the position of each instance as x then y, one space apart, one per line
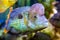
20 21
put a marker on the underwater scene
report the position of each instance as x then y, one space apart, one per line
29 20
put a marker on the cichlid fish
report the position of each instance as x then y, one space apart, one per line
20 21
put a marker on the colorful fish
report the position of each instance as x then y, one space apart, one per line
20 21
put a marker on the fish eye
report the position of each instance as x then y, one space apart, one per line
20 16
35 16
